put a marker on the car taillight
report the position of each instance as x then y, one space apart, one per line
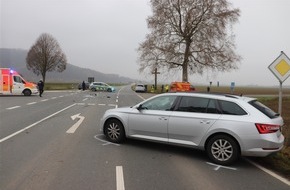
267 128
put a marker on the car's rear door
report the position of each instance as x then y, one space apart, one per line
191 120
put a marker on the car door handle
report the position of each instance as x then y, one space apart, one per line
163 118
204 122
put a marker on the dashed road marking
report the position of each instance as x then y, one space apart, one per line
14 107
120 178
31 103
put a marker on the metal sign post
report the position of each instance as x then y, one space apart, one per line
232 87
281 69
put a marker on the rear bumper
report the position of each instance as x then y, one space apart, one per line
264 147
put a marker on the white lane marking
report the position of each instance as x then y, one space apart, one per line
32 125
53 98
105 142
61 96
77 124
284 180
120 178
31 103
101 104
112 105
84 99
11 108
44 100
220 166
117 98
91 104
140 96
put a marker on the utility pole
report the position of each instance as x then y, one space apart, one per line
155 73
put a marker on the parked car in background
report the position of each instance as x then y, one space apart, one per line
80 85
140 88
101 86
225 126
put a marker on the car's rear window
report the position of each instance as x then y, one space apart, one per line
264 109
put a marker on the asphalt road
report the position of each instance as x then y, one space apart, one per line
54 143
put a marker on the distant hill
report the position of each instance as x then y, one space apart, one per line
16 59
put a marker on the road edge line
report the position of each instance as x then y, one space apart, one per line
273 174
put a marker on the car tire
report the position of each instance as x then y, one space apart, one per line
114 131
109 90
93 89
222 149
27 92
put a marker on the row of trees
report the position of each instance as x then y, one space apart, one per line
187 35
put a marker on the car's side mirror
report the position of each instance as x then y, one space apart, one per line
140 107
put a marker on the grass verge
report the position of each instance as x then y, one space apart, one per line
279 162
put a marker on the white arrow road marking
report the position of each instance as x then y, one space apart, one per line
77 124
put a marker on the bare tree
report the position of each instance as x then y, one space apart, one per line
190 35
46 56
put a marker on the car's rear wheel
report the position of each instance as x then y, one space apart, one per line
222 149
114 131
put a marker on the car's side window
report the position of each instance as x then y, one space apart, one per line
211 107
231 108
164 103
197 104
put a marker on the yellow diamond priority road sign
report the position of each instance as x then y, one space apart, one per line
281 67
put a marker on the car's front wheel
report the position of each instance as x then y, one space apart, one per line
222 149
114 131
27 92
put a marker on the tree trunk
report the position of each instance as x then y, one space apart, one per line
185 61
184 72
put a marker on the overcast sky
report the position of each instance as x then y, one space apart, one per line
103 35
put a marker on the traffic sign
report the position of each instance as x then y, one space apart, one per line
281 67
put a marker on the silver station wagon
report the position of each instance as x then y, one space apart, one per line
225 126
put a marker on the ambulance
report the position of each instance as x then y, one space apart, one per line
11 83
181 87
